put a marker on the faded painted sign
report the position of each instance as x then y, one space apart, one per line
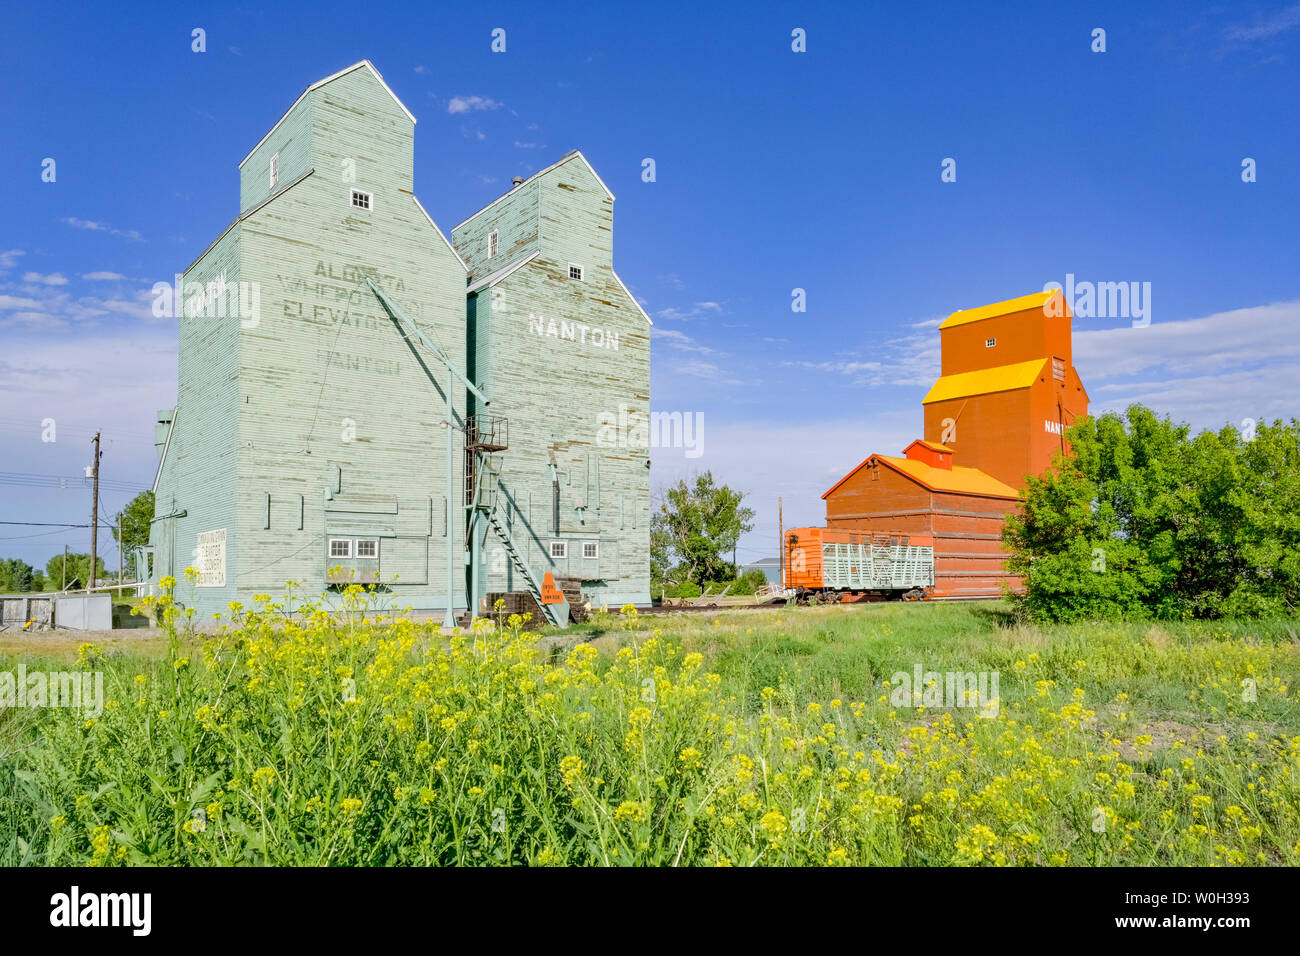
210 558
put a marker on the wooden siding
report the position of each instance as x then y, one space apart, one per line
292 142
543 350
319 417
195 477
516 221
966 529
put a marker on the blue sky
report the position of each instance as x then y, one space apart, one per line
775 170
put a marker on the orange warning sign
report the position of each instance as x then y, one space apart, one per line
550 593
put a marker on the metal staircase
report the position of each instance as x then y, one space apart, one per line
552 611
484 436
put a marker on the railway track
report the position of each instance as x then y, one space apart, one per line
653 609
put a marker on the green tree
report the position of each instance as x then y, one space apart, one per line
696 525
16 576
135 518
1147 521
78 571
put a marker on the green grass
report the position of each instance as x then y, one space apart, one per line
739 737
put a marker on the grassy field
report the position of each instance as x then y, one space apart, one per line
737 737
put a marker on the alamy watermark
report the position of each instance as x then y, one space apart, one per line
951 689
637 430
1115 300
133 911
216 298
79 690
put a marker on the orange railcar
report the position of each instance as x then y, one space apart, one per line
853 563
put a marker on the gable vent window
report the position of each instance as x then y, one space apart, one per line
559 549
361 199
275 170
1058 369
575 272
989 343
492 243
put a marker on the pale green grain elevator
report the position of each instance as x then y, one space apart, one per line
563 350
307 429
320 337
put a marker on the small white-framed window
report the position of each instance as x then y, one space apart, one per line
989 343
492 243
559 549
340 547
575 271
362 199
367 547
275 170
591 549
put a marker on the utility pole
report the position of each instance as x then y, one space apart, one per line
780 533
94 514
65 568
120 578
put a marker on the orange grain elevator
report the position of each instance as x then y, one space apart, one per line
1007 390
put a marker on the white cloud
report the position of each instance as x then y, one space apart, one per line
695 311
9 258
678 340
708 371
1280 22
1205 371
1224 339
422 70
909 360
519 145
8 302
52 306
103 276
92 226
470 104
124 376
53 278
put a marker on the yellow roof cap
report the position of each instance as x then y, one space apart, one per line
1022 304
1002 378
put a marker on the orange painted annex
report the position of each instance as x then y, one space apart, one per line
1006 392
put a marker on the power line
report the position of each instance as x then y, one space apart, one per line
56 524
24 480
39 534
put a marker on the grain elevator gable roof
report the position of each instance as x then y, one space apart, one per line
984 381
363 64
962 480
959 480
571 154
503 272
932 445
628 292
1022 304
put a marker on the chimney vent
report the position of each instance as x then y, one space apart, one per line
516 181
